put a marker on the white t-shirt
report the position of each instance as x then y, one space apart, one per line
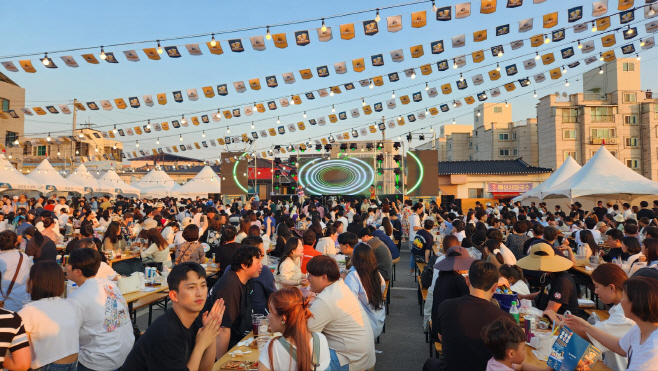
640 356
282 360
520 287
508 255
40 227
8 264
343 220
105 271
617 325
106 334
460 235
53 325
414 221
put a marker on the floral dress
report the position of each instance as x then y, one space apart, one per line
406 213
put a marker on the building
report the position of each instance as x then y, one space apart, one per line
612 111
12 98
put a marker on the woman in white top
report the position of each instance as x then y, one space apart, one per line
632 246
387 227
289 271
288 314
368 285
458 229
639 345
105 219
10 260
170 232
244 231
158 250
51 322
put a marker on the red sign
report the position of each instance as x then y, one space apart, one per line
509 187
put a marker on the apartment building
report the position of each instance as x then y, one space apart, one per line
612 111
12 99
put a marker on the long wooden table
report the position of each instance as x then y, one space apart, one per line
531 359
124 256
253 356
582 270
134 296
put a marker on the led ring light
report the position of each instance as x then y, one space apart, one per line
360 176
235 175
422 173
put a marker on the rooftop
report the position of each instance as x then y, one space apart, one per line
166 157
6 79
490 167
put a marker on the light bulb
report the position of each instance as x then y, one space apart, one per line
600 70
252 125
136 144
48 138
103 56
148 125
204 132
454 64
433 7
393 95
331 93
427 87
546 39
58 153
333 109
500 52
324 27
228 130
159 48
580 46
46 61
180 137
651 12
601 56
506 104
454 104
535 95
454 121
630 31
363 102
566 83
478 113
115 129
427 112
268 35
292 101
564 69
371 85
377 18
594 27
637 57
182 120
212 41
413 74
115 146
278 120
304 114
432 128
537 56
497 67
641 42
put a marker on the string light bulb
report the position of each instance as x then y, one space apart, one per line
566 83
182 120
454 103
497 66
478 113
393 95
136 144
547 39
363 102
212 40
159 48
115 129
180 137
324 27
580 46
292 100
506 104
651 11
454 64
48 138
500 52
372 85
637 56
46 61
268 35
564 69
537 56
278 120
413 74
333 109
204 132
103 56
629 30
594 26
454 121
535 94
427 112
252 125
157 141
434 7
461 77
600 70
304 114
642 42
377 18
601 56
331 92
427 87
148 124
228 130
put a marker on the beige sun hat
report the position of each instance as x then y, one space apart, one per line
541 257
150 224
186 221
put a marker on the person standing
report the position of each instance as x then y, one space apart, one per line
414 227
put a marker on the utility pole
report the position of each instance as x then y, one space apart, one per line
75 116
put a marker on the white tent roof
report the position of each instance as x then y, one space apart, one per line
46 175
566 170
603 175
82 177
156 183
10 178
113 181
205 182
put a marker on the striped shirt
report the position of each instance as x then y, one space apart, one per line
12 333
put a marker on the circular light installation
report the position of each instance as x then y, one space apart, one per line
359 175
422 172
235 175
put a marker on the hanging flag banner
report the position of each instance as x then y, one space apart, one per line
446 88
69 61
548 58
257 43
599 8
394 23
437 47
539 78
588 47
27 66
651 27
462 10
239 87
650 11
630 33
458 41
477 79
92 106
134 102
648 43
444 14
271 82
478 56
148 100
581 27
106 105
494 75
393 77
462 84
516 44
626 49
608 40
558 35
131 55
494 92
178 96
502 30
326 35
193 49
418 19
567 52
323 71
216 49
302 38
479 35
417 51
347 31
514 3
442 65
280 40
426 69
358 65
511 70
370 28
236 45
627 16
537 40
550 20
397 55
151 53
487 6
525 25
625 4
575 14
11 67
192 94
529 64
609 56
171 51
377 60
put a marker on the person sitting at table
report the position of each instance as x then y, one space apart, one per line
176 340
105 219
38 246
309 251
86 231
639 345
289 270
104 271
632 246
106 334
191 250
327 245
338 314
506 342
368 285
233 287
650 250
178 237
448 242
158 250
112 240
169 232
613 242
514 275
12 261
558 290
60 347
382 253
459 322
47 214
588 242
50 231
245 224
224 252
263 285
288 315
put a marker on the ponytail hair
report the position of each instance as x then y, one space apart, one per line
494 249
513 271
290 302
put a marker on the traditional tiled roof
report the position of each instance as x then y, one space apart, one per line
491 167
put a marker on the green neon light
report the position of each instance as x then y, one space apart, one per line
422 173
235 175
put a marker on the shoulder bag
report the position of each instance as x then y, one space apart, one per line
315 358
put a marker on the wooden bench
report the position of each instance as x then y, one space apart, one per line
150 301
422 297
420 267
434 345
603 314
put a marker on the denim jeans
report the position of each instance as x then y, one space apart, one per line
334 365
59 367
82 367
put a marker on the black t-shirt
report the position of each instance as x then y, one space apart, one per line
354 227
231 289
460 322
166 345
423 241
600 212
616 252
560 288
449 285
646 213
223 255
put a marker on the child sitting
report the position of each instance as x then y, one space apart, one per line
506 341
302 222
514 276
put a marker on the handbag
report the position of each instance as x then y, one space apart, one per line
13 280
315 357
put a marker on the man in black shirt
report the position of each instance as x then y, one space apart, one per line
460 322
224 252
176 341
245 265
612 240
645 212
421 246
600 210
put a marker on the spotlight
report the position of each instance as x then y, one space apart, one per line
353 146
421 137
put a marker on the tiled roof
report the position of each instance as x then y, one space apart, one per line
6 79
492 167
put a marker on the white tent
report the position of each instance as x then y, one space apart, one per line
564 172
83 177
46 175
603 175
10 178
113 181
157 184
205 182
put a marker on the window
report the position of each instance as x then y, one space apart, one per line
470 144
633 163
573 154
477 148
5 104
475 192
503 136
570 115
39 150
476 132
513 136
628 67
569 134
515 151
632 142
449 146
655 111
476 118
602 114
629 98
470 157
498 109
10 138
603 133
630 120
503 152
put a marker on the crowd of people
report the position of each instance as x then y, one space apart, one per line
319 272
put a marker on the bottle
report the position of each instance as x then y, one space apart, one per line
514 311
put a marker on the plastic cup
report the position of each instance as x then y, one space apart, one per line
256 320
543 345
262 343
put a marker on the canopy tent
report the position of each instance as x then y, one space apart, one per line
603 176
82 177
113 181
46 175
566 170
205 182
157 184
10 178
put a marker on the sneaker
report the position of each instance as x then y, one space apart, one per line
412 274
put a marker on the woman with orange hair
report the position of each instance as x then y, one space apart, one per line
298 348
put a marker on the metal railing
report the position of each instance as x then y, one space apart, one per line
608 140
597 97
602 118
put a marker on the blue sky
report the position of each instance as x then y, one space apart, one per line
42 26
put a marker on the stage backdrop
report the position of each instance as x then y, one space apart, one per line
234 182
345 176
422 173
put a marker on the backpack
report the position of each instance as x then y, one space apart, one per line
427 277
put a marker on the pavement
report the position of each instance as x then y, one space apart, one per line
402 346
